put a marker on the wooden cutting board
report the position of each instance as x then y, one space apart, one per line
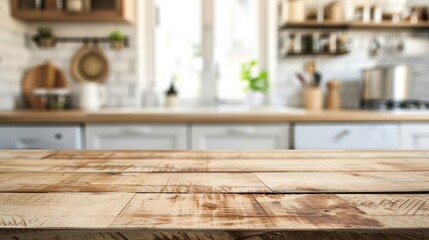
43 76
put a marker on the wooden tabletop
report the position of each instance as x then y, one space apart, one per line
214 195
265 115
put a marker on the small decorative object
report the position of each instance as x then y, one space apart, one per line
333 100
44 37
257 83
171 96
78 6
117 40
312 93
58 98
313 98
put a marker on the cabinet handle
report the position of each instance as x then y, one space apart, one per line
248 130
139 131
342 134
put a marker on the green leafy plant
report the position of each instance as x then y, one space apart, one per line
258 83
117 36
43 33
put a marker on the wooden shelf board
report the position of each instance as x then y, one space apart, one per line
57 16
314 54
355 25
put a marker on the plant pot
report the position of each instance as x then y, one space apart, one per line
46 42
117 44
255 99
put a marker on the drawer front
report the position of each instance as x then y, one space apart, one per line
136 137
40 137
415 136
240 137
347 136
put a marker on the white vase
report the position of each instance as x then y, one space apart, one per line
255 99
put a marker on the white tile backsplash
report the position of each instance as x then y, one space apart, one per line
121 63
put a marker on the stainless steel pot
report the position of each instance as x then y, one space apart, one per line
386 83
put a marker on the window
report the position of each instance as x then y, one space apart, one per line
235 42
202 44
178 46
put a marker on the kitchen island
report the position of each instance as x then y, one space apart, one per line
214 195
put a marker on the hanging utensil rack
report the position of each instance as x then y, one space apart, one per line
94 40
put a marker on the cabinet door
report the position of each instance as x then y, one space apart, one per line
240 137
415 136
59 137
136 137
347 136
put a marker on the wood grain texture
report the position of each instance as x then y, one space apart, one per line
207 155
80 165
56 210
21 234
132 182
213 165
363 182
207 116
273 211
214 195
25 154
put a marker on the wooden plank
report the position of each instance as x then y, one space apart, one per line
394 210
25 154
202 211
21 234
362 182
216 165
78 165
205 155
132 182
292 165
269 212
60 210
346 211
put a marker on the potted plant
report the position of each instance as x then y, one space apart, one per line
117 40
256 83
44 37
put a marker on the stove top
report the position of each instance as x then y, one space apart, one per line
392 105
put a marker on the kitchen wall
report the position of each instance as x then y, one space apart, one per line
123 81
348 68
18 53
14 56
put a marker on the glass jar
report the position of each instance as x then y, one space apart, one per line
40 98
58 99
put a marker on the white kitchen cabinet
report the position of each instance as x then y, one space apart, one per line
415 136
59 137
347 136
240 137
136 137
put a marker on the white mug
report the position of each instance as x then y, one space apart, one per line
91 96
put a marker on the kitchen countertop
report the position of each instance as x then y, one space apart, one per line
209 115
214 195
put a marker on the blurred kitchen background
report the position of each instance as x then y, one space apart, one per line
214 74
202 44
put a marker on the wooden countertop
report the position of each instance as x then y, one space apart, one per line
208 115
214 195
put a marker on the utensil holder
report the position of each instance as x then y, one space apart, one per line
313 98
